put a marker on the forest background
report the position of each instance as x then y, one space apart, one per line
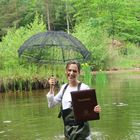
110 30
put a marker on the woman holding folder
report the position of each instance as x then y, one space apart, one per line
73 130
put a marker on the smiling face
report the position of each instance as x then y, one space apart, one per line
72 73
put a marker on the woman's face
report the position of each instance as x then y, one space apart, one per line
72 73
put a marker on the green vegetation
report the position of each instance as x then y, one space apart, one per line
120 19
111 34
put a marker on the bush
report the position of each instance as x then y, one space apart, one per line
13 40
95 40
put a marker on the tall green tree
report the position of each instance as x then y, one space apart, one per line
22 12
10 15
31 8
120 18
60 13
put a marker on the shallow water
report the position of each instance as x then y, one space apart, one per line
25 116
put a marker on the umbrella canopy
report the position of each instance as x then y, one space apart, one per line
53 47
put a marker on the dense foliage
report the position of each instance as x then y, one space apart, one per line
96 23
111 34
9 63
119 18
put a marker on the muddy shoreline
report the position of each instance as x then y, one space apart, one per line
19 84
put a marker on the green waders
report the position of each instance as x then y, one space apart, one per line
74 130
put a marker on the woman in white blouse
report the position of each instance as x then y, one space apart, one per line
72 130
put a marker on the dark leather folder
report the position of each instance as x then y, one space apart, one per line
83 103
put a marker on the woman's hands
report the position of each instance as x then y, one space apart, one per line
97 109
52 81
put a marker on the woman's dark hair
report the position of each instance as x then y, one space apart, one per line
74 62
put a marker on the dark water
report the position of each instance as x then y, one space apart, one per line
25 116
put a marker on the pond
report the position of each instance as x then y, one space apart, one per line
25 116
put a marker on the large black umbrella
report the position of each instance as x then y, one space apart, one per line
53 47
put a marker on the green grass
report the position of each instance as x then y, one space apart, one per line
127 63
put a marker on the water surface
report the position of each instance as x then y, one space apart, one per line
25 116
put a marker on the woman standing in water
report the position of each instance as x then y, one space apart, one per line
72 130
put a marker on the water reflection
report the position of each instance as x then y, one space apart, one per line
119 99
25 116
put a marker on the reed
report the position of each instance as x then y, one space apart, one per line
86 74
101 78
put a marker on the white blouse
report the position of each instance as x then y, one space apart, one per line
66 100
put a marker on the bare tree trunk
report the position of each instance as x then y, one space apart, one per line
67 17
48 14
